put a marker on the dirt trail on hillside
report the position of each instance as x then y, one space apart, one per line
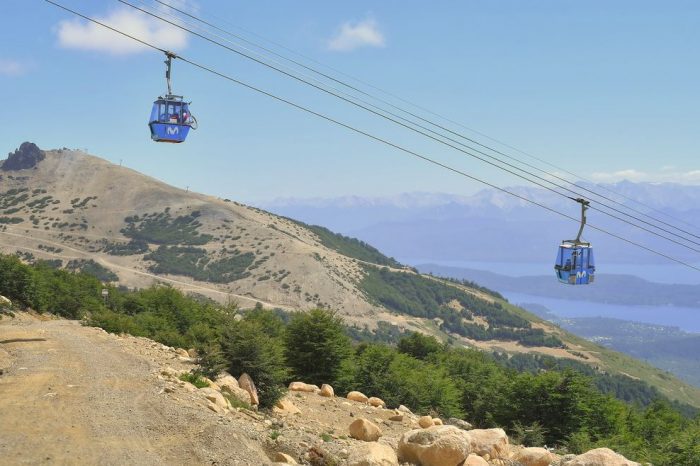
73 395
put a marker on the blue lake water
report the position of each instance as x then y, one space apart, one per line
686 318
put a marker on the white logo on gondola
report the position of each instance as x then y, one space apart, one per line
581 274
173 130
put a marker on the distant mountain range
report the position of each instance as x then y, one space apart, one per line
493 226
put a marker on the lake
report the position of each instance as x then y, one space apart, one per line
686 318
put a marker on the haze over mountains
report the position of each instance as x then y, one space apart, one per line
493 226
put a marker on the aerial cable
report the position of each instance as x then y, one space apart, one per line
377 112
354 88
374 137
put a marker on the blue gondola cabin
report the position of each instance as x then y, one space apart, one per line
170 120
575 264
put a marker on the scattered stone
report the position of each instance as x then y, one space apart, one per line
362 429
534 456
464 425
284 458
357 396
396 418
285 406
170 372
600 457
425 421
492 442
434 446
437 421
404 409
327 391
247 384
376 402
372 454
215 397
192 353
182 352
302 387
214 408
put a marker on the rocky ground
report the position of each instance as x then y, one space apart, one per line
71 394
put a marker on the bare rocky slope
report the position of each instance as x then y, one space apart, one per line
71 394
83 212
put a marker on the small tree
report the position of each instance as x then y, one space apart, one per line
418 345
316 345
247 348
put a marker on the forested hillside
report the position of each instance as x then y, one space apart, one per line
538 400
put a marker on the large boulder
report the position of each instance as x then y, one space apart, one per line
302 387
600 457
227 383
358 396
372 454
492 442
534 456
5 302
434 446
362 429
247 384
475 460
27 156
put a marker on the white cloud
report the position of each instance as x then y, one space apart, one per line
84 35
351 36
665 174
12 67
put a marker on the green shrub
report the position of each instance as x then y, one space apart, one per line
247 348
195 379
400 379
316 346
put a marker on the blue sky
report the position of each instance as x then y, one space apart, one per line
607 89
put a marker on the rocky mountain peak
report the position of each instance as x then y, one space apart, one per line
27 156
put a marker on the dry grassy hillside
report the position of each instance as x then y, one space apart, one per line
89 214
73 206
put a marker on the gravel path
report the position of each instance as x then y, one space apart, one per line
76 395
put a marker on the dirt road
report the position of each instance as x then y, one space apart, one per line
75 395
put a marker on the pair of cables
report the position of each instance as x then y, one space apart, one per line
415 123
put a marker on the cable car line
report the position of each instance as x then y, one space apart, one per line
374 137
354 88
407 126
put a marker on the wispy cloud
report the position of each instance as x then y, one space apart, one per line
351 36
665 174
84 35
13 67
